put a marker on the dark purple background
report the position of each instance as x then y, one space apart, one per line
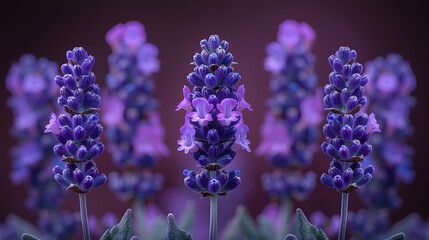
371 27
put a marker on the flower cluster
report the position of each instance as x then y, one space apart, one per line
392 82
289 133
214 120
30 82
347 130
78 131
134 130
366 224
32 100
203 183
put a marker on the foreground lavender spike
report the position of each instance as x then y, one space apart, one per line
213 123
290 130
134 129
348 129
33 99
78 130
389 94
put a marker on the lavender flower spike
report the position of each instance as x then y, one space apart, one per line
213 123
389 94
33 99
290 130
347 130
78 131
134 130
214 119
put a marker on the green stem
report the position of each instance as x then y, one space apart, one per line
213 212
138 205
285 210
343 217
84 216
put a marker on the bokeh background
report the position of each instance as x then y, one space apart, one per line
373 28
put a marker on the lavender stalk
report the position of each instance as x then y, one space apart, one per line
348 129
134 129
77 130
32 100
389 94
290 130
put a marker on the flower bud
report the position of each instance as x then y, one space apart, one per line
214 186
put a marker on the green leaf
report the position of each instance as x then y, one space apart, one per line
186 221
122 231
21 226
404 225
398 236
290 237
266 228
307 230
241 226
27 236
173 232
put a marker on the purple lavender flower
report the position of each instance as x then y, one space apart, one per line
134 130
213 123
99 226
130 185
30 82
289 132
282 185
33 99
62 225
347 130
78 131
392 82
366 225
214 120
329 225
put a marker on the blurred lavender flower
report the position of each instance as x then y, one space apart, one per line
288 184
329 225
30 82
290 129
134 129
131 186
98 226
213 123
32 100
62 225
392 82
369 224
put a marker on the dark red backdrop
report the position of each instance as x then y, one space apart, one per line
371 27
